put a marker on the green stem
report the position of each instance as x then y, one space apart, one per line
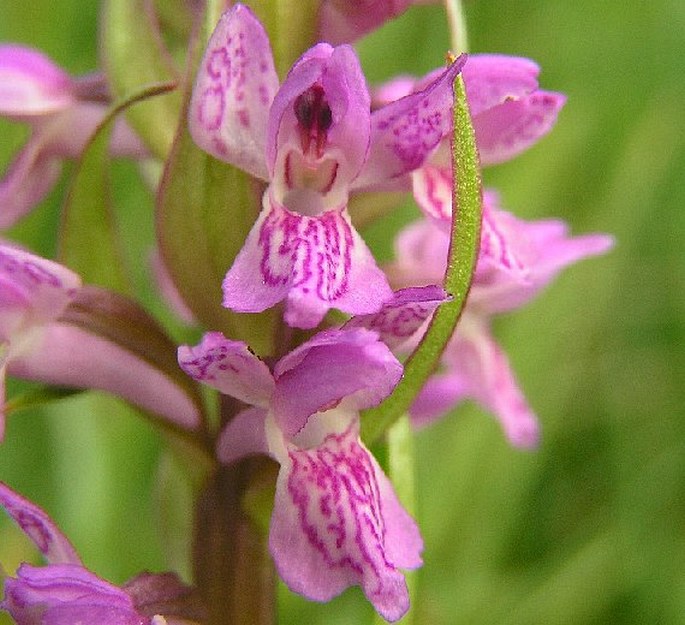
457 25
463 253
232 567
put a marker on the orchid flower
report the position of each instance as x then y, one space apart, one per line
517 260
336 520
509 112
62 112
64 592
314 140
37 342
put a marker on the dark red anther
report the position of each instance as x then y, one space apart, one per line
315 118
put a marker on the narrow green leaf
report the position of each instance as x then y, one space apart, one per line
463 254
134 57
89 242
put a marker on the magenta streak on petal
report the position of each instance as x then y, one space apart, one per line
313 253
337 483
199 368
495 247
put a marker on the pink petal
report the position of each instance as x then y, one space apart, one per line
441 394
432 187
39 289
394 89
334 365
518 259
65 594
406 132
234 88
421 251
69 356
512 127
27 181
39 527
229 367
346 20
321 260
403 315
245 435
486 373
31 84
338 73
491 79
337 523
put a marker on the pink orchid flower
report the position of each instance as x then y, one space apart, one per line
510 114
314 140
336 520
62 112
36 344
64 592
517 260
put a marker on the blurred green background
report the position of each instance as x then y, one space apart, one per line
590 528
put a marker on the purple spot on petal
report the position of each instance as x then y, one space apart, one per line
244 118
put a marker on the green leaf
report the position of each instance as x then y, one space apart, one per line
89 242
134 57
463 254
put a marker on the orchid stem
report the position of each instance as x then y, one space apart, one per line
457 25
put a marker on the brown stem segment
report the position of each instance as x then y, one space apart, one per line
232 566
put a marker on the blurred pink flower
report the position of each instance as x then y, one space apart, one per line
517 260
62 112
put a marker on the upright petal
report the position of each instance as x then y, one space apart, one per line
228 366
321 262
421 254
31 84
319 128
512 127
337 523
234 88
406 132
334 365
39 527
